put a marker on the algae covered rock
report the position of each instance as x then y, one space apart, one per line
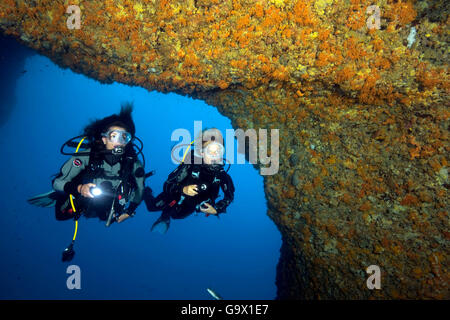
362 117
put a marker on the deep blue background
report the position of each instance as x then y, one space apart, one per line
235 255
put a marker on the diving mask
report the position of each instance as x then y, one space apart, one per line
214 151
118 136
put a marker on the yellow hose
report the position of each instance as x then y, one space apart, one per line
78 147
76 229
71 198
185 153
71 202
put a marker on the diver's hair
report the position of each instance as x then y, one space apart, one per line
205 141
94 130
125 120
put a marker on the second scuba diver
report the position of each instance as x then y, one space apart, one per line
194 187
104 178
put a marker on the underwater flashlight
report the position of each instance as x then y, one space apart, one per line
95 191
68 253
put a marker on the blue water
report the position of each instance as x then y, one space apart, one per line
235 255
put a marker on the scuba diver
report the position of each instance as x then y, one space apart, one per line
100 181
194 186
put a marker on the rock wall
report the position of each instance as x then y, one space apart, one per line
12 67
362 113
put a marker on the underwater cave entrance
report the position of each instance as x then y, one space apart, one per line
235 255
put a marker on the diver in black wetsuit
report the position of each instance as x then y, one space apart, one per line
194 187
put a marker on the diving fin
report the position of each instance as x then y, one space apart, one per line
45 200
161 225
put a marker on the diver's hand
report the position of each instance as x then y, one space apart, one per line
209 209
190 190
122 217
83 189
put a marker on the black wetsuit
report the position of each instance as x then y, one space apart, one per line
177 205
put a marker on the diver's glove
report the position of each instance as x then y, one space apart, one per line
129 213
131 210
121 217
221 206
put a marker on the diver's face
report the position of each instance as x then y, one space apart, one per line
111 142
213 153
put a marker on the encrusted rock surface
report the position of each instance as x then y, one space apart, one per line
363 119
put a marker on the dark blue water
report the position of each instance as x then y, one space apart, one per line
235 255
